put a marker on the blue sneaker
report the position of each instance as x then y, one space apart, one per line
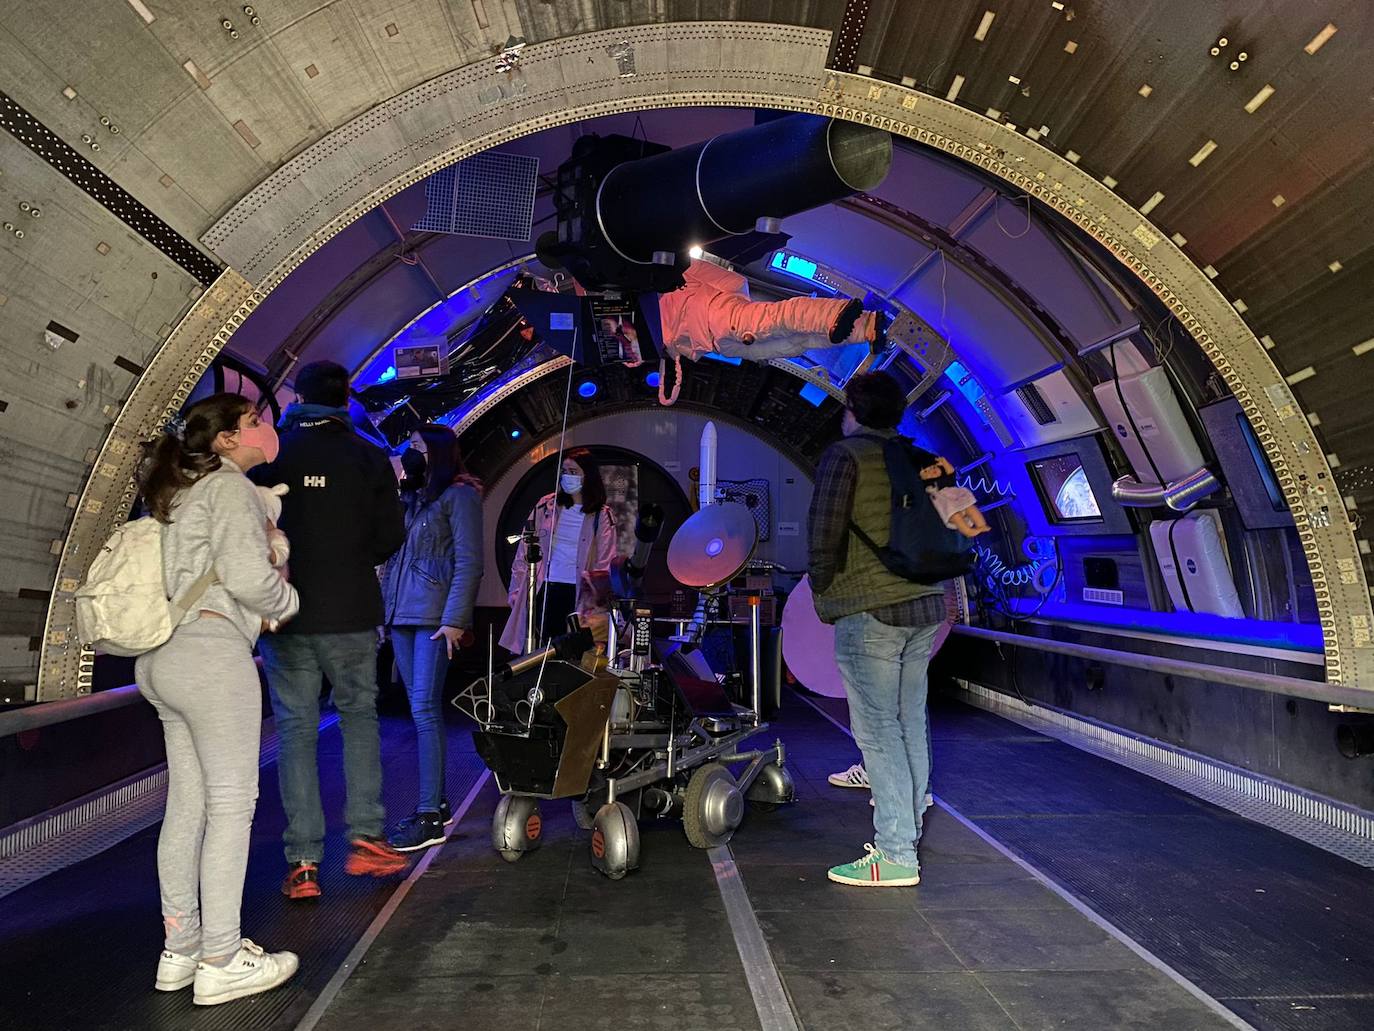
875 870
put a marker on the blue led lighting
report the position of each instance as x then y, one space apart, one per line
652 380
1303 637
814 394
963 379
514 434
388 375
587 389
794 264
713 356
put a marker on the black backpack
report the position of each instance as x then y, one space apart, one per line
920 547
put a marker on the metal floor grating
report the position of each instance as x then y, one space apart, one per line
74 833
1341 829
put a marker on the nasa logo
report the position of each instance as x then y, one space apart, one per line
313 481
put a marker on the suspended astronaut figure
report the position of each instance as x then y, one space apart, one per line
712 313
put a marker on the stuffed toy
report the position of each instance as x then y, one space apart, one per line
279 546
956 505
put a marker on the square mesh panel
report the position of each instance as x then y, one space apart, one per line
753 495
489 195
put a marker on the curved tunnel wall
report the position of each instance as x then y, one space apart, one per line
298 208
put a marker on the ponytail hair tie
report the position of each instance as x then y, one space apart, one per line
176 427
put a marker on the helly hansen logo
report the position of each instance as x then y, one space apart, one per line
313 481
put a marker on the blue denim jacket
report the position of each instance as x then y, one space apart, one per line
432 581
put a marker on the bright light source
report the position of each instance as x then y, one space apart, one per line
587 390
653 380
388 375
695 252
514 434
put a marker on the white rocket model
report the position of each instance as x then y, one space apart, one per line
706 483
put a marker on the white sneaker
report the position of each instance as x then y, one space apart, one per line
854 777
252 970
930 801
174 971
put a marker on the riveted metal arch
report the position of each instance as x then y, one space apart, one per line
106 499
732 64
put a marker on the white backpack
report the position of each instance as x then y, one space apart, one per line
122 608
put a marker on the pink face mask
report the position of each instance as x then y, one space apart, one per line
263 436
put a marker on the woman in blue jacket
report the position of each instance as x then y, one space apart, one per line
430 588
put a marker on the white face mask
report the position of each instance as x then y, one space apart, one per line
570 482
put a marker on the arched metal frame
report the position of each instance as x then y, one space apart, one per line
721 64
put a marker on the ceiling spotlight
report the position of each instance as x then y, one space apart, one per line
695 251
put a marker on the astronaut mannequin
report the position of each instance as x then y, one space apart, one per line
713 312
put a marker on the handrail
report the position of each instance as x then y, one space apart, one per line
1270 683
45 714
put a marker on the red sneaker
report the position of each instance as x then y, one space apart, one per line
302 882
373 857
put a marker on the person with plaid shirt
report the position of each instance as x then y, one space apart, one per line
885 629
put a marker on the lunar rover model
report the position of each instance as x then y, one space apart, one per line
645 731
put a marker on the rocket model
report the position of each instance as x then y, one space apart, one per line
706 483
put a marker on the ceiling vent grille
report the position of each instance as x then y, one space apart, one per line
1036 404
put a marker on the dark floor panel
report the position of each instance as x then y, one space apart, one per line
575 949
1030 939
655 1002
1123 1000
897 1001
981 886
865 940
102 916
1307 1014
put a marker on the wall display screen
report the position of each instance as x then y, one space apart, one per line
1065 490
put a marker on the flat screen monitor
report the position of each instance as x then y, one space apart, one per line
1064 488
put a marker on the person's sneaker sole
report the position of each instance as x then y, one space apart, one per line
372 863
246 990
309 890
840 782
177 985
438 839
896 882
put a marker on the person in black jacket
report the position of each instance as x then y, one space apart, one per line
344 518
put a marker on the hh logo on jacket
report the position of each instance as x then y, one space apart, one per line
313 481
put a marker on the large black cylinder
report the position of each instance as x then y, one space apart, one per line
723 186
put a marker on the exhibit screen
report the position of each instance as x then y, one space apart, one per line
1065 490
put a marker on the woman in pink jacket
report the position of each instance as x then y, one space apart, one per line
577 537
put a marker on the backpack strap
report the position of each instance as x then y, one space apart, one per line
193 594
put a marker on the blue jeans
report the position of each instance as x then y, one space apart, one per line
423 665
294 664
884 671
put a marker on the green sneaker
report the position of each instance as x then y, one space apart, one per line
875 870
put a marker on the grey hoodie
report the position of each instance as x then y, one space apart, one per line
220 521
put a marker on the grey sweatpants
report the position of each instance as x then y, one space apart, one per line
204 686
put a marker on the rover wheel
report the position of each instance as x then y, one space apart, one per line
713 806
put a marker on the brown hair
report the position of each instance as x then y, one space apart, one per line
875 399
177 460
445 462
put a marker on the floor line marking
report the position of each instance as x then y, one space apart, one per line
1083 909
354 959
765 983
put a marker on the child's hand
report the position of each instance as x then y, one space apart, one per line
940 468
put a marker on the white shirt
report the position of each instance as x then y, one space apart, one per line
563 557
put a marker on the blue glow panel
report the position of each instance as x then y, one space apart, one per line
814 394
713 356
794 264
388 375
652 380
587 389
963 379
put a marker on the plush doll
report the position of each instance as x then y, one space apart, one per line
279 546
955 504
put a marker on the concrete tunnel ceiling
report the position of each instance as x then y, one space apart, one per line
1244 181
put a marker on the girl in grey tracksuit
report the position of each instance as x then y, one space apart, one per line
205 688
